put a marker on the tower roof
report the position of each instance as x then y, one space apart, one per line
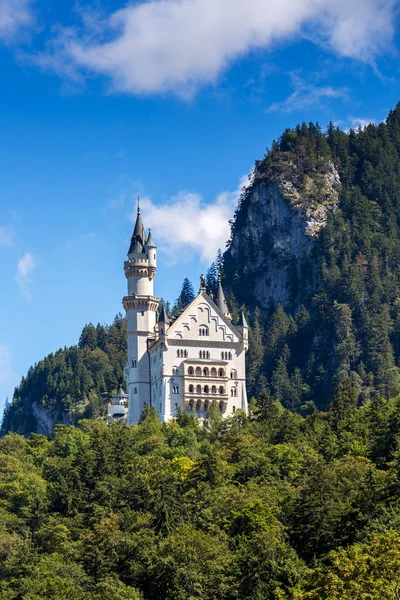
136 246
121 393
163 318
221 301
242 321
138 234
149 242
139 229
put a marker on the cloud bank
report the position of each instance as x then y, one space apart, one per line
187 226
179 46
25 269
14 16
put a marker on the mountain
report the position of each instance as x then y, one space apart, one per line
314 255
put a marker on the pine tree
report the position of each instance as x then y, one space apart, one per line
187 294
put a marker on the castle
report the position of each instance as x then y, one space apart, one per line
187 361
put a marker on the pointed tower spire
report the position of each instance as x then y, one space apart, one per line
150 242
138 238
221 301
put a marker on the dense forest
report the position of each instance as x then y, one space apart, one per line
344 316
270 506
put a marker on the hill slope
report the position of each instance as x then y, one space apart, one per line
322 263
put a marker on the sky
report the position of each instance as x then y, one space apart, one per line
172 100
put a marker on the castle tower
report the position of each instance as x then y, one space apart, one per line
141 310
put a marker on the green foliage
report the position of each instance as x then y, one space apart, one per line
272 506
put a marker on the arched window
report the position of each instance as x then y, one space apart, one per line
175 389
221 407
190 371
205 372
233 374
198 389
203 330
198 372
230 355
201 354
214 389
133 363
135 390
178 353
234 392
174 371
233 408
221 373
208 355
221 389
190 404
198 405
191 389
186 353
206 389
213 372
206 405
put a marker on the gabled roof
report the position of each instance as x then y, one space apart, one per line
203 295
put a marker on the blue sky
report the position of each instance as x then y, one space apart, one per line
172 100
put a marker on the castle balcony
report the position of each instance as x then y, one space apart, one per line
201 405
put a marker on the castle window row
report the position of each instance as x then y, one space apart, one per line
182 353
206 389
204 354
203 331
226 355
206 372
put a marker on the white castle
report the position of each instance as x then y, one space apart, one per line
185 362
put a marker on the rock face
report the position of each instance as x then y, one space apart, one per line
48 417
276 228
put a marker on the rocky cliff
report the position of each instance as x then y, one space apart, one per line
277 224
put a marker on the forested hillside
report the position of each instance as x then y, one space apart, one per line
314 258
271 507
329 308
72 383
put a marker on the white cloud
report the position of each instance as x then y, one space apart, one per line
6 237
178 46
8 376
25 270
356 122
14 16
188 226
307 95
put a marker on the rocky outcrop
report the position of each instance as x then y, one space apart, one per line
276 228
47 417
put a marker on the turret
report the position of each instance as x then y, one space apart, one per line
221 301
151 249
243 329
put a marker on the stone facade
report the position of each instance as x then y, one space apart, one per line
186 362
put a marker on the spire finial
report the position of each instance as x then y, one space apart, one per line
138 205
